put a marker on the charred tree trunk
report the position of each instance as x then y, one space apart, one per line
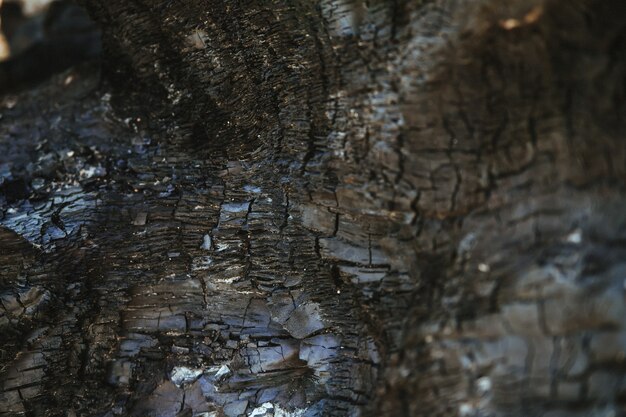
322 207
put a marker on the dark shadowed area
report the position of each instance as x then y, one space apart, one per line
43 38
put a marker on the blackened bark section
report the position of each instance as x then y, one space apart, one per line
397 208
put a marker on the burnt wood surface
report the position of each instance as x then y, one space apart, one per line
333 207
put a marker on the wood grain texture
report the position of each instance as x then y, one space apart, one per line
321 208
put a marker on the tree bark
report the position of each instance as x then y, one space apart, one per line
326 207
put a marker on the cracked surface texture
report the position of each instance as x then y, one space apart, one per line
301 208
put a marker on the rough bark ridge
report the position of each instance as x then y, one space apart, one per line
322 208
